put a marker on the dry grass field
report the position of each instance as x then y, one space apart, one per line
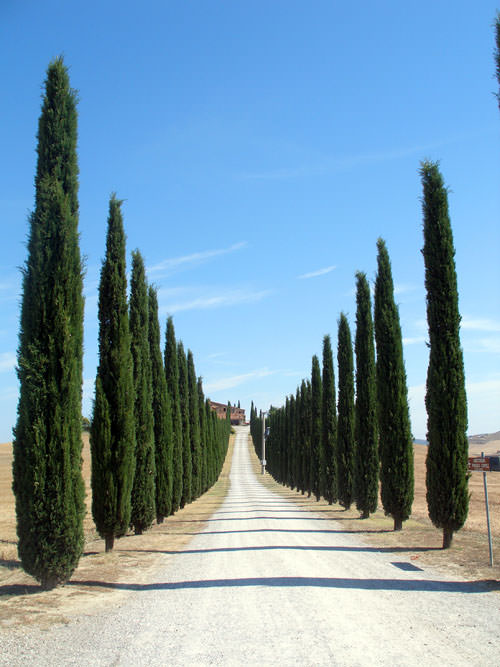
419 540
135 557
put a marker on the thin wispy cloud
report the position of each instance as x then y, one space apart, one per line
176 263
484 387
334 164
478 324
237 380
402 288
7 361
177 300
315 274
415 340
491 345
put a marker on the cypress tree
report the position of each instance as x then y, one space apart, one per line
307 423
297 464
187 464
143 490
292 420
172 377
367 462
210 415
112 434
162 416
446 403
316 458
395 441
203 437
345 424
47 478
329 425
194 428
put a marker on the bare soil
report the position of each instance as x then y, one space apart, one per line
133 558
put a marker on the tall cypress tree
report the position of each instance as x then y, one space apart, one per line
211 468
316 458
143 490
345 424
329 425
172 376
367 462
203 437
47 478
187 464
162 414
307 423
395 441
446 403
194 429
112 435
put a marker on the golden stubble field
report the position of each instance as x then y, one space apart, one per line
94 582
135 558
468 556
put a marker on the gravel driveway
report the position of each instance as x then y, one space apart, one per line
267 583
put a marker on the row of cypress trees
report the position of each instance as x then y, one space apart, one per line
331 450
156 443
343 457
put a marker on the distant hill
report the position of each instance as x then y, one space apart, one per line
483 438
480 439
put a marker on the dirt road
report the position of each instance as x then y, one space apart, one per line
268 583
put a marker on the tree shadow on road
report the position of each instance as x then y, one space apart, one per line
288 547
290 530
404 585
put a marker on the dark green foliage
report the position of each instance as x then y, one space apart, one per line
186 437
211 444
194 429
162 413
395 441
203 437
256 431
447 478
47 479
143 490
172 377
345 424
306 420
367 463
329 426
112 437
297 430
316 459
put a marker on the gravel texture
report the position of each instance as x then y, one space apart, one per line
267 583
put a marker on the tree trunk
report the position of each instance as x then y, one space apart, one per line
138 531
447 537
365 515
50 582
159 519
109 541
398 524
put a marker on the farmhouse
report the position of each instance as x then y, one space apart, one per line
237 414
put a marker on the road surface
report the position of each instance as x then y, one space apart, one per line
269 583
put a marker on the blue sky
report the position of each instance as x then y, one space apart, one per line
261 149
